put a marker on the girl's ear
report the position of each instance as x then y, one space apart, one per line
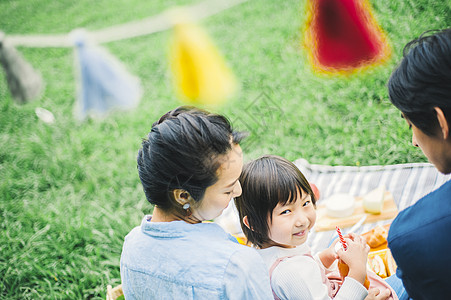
443 122
246 222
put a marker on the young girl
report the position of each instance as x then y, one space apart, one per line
277 211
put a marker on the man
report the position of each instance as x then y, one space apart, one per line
420 236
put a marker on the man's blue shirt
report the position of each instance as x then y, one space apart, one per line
420 240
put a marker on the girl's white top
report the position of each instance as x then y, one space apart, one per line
299 277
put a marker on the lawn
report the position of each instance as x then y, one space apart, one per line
70 192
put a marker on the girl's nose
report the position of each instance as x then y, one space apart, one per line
301 220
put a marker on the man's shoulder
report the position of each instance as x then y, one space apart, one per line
433 212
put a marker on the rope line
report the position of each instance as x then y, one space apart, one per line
157 23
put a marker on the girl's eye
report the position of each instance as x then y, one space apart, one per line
228 193
307 203
285 212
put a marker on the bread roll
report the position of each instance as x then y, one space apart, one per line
378 236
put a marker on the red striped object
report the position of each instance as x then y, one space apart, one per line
342 240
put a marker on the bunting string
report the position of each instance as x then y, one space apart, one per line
157 23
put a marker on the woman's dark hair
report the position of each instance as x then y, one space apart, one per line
182 152
265 182
422 80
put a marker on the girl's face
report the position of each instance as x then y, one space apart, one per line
218 195
292 222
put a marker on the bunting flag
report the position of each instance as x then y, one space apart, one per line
342 36
200 73
25 84
103 82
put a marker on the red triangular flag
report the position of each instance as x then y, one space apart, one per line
343 36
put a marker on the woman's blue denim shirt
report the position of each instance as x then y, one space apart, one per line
177 260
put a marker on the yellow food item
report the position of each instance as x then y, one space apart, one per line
390 264
241 239
376 263
382 263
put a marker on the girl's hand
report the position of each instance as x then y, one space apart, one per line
328 256
355 256
376 294
356 237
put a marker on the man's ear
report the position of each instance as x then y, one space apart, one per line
181 196
246 222
443 122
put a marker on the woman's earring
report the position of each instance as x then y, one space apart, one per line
187 209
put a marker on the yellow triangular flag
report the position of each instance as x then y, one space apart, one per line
200 73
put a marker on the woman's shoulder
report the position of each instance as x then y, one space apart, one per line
208 246
132 234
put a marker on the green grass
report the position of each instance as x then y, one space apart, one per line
69 192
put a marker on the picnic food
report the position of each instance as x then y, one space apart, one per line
382 263
373 202
340 206
390 263
377 236
376 264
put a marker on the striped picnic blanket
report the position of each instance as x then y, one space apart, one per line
407 183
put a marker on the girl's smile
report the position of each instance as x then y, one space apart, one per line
300 234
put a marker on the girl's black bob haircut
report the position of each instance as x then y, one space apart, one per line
265 182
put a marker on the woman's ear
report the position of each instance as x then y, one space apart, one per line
443 122
181 196
246 222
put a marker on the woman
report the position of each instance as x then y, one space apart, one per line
189 167
419 237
